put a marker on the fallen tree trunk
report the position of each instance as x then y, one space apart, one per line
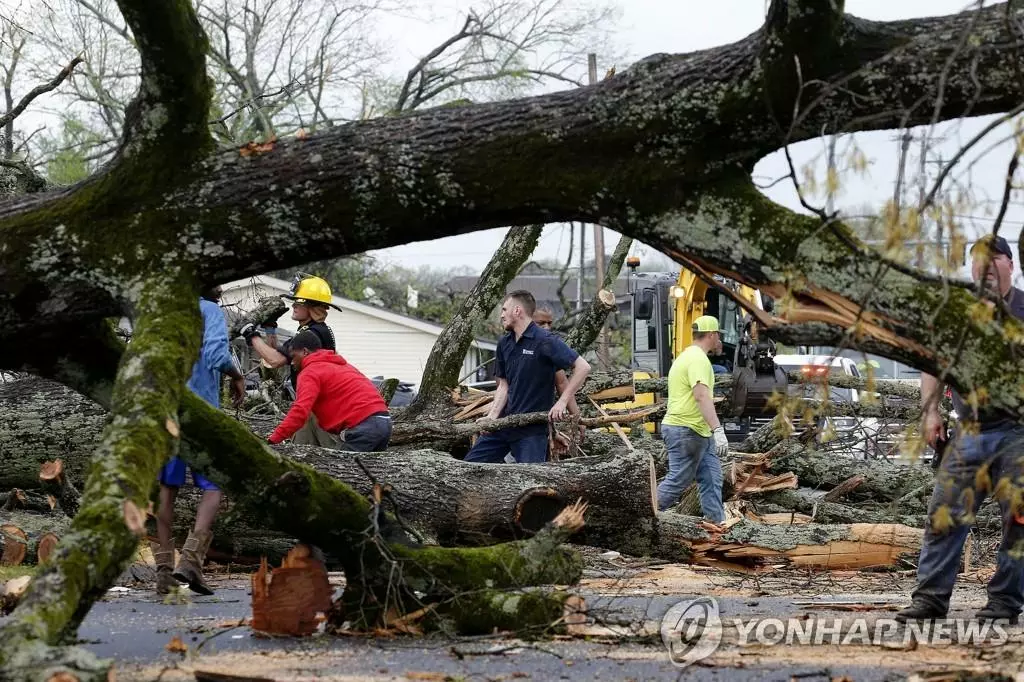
811 502
456 502
751 546
41 421
909 484
30 501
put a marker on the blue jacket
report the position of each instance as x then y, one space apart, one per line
214 355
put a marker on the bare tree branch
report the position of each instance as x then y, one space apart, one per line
39 90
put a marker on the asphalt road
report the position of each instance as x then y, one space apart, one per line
134 628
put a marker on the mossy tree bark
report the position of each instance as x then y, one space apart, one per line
677 137
444 365
104 534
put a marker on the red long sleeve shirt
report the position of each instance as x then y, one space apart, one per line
336 392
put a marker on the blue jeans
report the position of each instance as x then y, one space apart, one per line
691 455
1002 450
492 448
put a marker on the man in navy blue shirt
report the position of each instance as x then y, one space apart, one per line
525 365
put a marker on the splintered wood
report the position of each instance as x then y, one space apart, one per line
293 599
823 547
748 476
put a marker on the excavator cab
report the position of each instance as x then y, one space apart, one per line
664 308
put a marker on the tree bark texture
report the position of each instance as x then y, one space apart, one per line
456 502
41 421
679 136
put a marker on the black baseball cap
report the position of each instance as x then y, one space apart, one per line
996 244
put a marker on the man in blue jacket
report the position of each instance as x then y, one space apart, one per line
214 359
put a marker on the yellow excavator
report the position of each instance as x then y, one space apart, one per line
664 308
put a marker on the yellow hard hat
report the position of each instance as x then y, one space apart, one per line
311 289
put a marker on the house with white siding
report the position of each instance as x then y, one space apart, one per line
377 341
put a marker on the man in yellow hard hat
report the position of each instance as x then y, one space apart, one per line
694 437
311 299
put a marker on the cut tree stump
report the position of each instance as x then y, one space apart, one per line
293 599
55 481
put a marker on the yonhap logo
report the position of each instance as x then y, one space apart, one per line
691 631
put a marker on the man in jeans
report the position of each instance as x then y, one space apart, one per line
982 455
693 435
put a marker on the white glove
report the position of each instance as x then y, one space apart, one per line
721 442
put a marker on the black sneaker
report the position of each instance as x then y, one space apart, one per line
997 611
920 610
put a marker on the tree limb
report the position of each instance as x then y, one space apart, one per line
106 531
20 107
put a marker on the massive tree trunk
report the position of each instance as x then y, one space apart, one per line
41 421
456 502
444 365
661 152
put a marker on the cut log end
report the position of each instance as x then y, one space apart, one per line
537 507
52 471
47 544
606 297
15 545
292 599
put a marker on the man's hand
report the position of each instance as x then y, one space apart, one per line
931 426
721 442
559 410
237 391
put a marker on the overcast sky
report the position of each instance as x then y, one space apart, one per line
650 26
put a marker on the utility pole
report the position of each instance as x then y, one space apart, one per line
602 337
583 260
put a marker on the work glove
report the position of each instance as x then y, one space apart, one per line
248 331
721 442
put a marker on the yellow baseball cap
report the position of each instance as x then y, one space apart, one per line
705 323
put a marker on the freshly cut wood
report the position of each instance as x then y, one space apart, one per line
29 538
454 501
55 481
293 599
11 591
751 546
15 543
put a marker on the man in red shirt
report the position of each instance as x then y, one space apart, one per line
338 394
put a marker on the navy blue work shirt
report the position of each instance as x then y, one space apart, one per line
989 419
529 366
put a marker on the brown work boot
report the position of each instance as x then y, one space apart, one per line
190 562
165 582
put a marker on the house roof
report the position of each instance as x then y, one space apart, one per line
543 287
355 306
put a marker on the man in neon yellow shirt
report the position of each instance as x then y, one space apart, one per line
693 436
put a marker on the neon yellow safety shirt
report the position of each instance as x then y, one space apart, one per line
691 367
